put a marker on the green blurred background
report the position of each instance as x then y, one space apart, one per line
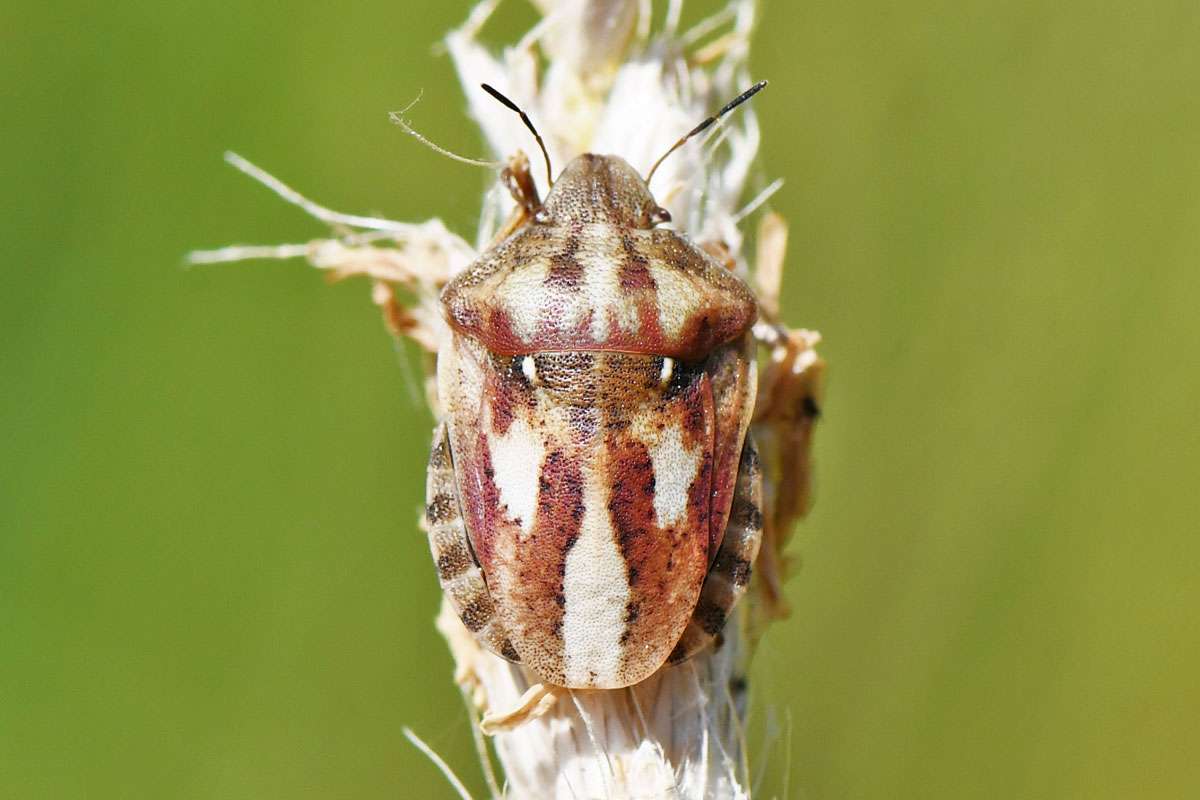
211 581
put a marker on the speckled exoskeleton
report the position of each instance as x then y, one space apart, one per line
593 498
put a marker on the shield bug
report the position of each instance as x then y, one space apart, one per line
593 499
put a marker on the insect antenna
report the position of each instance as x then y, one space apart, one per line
514 107
730 106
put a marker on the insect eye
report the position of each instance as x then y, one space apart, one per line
541 216
659 215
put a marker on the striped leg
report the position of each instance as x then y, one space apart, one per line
459 574
729 574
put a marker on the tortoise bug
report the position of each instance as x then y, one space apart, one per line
593 496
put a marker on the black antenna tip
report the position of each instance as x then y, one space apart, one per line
753 90
503 100
703 126
741 98
510 105
730 106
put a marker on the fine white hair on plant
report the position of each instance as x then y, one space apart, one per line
610 77
398 118
438 762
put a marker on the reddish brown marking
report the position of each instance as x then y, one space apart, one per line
700 503
674 557
535 591
635 273
552 335
696 408
502 339
724 479
648 321
632 501
481 499
501 396
699 336
565 270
